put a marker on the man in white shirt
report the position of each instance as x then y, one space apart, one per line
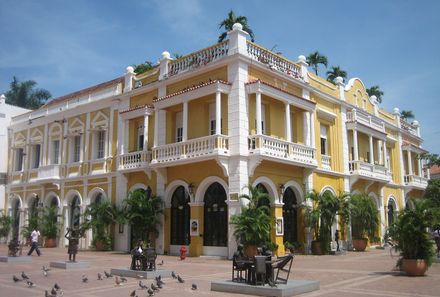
34 239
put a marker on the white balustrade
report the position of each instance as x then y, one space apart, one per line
199 58
369 170
273 60
365 119
49 172
133 160
326 162
199 147
415 180
408 127
269 146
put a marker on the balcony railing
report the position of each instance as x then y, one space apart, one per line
49 172
269 146
367 120
408 127
273 60
326 162
133 160
415 181
194 148
199 58
369 170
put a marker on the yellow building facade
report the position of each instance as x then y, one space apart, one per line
197 130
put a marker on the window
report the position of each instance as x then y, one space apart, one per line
56 152
216 216
290 216
19 159
180 214
324 142
76 148
100 144
140 138
36 150
179 127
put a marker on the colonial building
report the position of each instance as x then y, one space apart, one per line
197 130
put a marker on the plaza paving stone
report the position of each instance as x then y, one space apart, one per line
353 274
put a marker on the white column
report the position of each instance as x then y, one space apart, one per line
64 156
109 151
163 66
87 142
218 113
156 127
312 129
45 144
146 132
258 112
379 155
126 135
306 128
370 141
385 157
185 122
410 172
355 145
419 165
287 122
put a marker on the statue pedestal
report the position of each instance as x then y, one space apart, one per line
18 259
70 265
127 272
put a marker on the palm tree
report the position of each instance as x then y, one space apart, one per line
25 95
102 215
334 72
314 59
143 213
144 67
230 21
406 114
375 91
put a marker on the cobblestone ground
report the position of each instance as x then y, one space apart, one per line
353 274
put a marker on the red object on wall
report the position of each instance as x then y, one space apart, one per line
182 253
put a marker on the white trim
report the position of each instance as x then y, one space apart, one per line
93 193
270 186
328 188
137 187
69 196
204 185
297 189
392 198
169 191
49 196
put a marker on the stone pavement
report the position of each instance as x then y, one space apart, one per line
353 274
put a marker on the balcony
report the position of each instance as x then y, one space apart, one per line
326 162
416 181
280 150
374 123
134 161
369 171
49 172
193 150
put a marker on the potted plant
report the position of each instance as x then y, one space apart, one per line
50 225
99 216
410 232
254 223
32 224
292 246
322 215
364 220
5 225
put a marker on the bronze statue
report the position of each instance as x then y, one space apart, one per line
73 235
14 247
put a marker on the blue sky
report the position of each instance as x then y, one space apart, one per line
69 45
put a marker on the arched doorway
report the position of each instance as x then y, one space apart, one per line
215 216
180 215
391 212
264 201
75 212
15 218
290 216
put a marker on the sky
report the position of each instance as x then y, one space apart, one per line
66 46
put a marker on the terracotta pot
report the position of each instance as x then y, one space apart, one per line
414 267
316 248
100 245
360 244
250 250
50 243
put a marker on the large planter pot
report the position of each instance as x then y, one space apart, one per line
50 243
359 245
250 250
414 267
316 248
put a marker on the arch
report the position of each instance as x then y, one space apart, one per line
49 198
16 206
215 222
180 217
297 189
375 198
409 203
94 193
391 208
204 185
169 191
30 200
13 198
137 186
69 197
269 185
328 188
290 215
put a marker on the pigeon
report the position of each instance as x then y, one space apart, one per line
84 278
173 274
117 281
107 275
160 263
123 279
53 292
30 284
99 276
193 287
180 279
150 292
132 294
140 276
45 273
46 294
16 279
57 287
154 288
46 269
24 276
159 285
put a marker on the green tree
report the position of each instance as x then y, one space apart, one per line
25 94
99 216
432 159
230 21
144 67
432 192
314 59
334 72
143 213
375 90
406 114
5 224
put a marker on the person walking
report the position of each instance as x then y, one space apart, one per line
34 239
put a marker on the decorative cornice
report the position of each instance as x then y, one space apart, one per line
146 106
194 87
